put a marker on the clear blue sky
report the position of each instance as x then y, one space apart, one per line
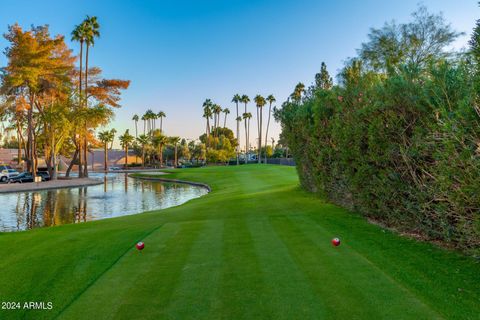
177 53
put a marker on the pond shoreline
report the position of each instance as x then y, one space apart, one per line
156 178
48 185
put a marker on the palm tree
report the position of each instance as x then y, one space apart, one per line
161 115
260 102
159 140
175 141
79 34
207 113
105 137
154 120
150 118
135 118
113 132
236 99
297 92
271 99
144 118
125 141
245 99
91 32
238 119
227 112
143 140
216 113
246 117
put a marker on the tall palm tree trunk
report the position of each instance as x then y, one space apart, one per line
260 137
214 129
208 134
80 102
176 155
161 156
105 157
266 131
246 136
85 138
238 134
126 157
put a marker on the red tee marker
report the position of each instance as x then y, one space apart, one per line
336 242
140 245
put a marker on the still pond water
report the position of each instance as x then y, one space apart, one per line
118 196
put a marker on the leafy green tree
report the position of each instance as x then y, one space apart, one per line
37 66
323 80
397 138
199 151
416 43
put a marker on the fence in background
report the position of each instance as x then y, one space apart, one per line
281 161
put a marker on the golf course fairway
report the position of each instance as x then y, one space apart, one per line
256 247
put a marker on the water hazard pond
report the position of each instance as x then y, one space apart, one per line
118 196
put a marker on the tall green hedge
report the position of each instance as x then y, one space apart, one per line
401 146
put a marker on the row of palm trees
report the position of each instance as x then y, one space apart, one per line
154 138
211 109
149 121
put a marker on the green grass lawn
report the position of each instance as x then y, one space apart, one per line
255 247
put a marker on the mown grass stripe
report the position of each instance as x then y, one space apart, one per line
242 292
152 293
197 288
287 287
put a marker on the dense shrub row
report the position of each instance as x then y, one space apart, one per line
398 138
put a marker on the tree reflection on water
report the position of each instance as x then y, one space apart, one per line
119 195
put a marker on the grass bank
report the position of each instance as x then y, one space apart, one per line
255 247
